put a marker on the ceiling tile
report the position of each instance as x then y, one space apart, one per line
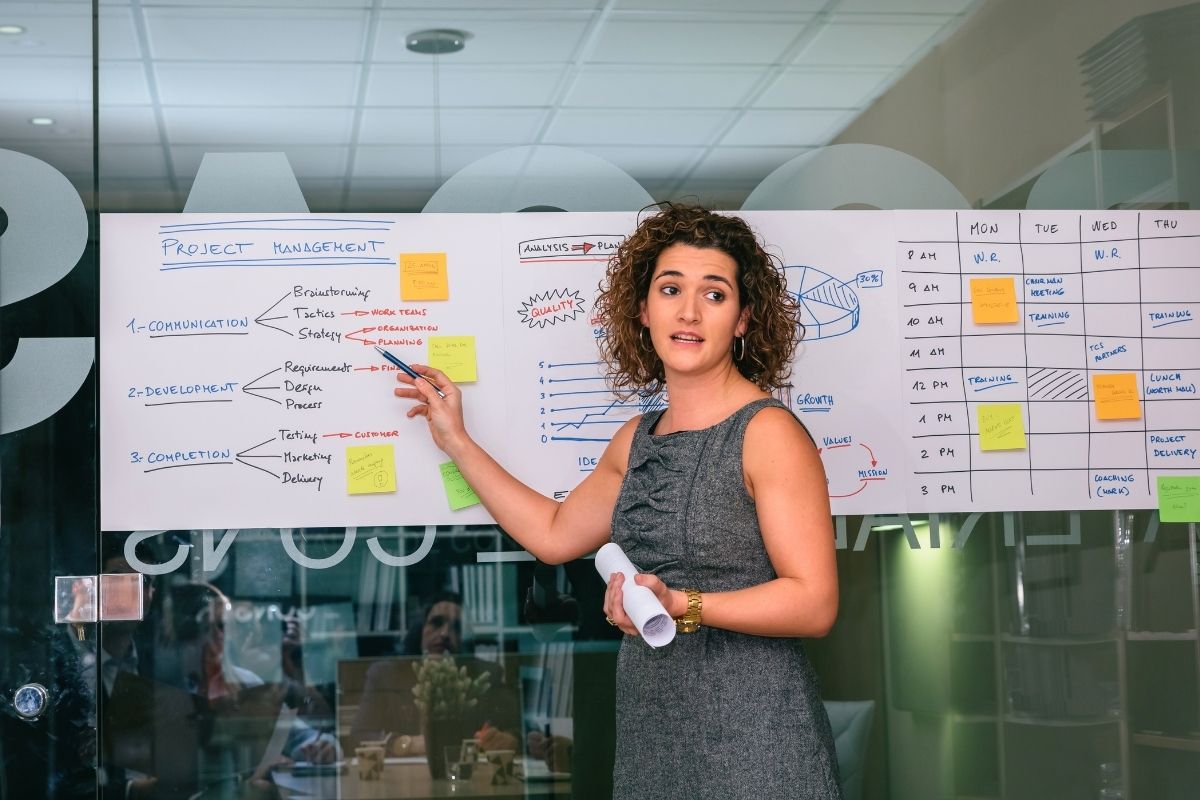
649 163
400 85
867 44
505 126
396 126
744 163
535 39
123 83
127 125
682 42
910 6
124 161
743 6
254 34
403 162
634 127
68 157
306 161
462 85
257 125
601 86
256 84
71 121
50 29
63 79
118 35
784 128
823 88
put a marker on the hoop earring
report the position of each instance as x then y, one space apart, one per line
739 348
644 339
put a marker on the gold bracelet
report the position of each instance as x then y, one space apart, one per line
690 621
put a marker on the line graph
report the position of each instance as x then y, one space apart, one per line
573 411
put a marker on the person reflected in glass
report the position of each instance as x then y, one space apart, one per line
388 712
717 496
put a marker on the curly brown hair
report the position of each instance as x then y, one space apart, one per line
774 326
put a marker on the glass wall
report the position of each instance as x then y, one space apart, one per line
976 655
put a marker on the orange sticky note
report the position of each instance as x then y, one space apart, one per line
1116 396
423 276
994 301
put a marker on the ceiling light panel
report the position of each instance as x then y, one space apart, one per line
785 128
257 126
641 127
605 86
823 88
534 39
257 84
867 44
731 41
233 34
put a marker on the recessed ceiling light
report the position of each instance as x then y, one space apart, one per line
41 121
11 30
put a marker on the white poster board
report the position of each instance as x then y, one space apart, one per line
237 367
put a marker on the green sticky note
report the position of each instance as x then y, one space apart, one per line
370 469
1001 426
458 491
1179 498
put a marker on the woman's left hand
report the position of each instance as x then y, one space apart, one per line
614 607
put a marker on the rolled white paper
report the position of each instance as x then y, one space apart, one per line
640 603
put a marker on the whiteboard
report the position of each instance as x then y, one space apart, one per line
236 366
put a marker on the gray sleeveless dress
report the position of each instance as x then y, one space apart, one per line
714 714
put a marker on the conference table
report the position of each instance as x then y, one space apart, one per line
409 778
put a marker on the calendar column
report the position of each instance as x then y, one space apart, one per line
932 383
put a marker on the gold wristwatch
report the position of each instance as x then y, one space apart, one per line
690 621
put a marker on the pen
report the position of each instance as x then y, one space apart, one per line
407 370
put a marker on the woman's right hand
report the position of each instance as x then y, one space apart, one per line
444 414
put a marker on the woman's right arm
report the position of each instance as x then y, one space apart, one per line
553 532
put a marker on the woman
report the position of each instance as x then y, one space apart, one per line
720 498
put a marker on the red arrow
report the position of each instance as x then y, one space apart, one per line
862 486
873 461
354 313
585 247
362 341
339 435
370 369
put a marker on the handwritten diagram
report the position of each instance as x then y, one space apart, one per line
952 361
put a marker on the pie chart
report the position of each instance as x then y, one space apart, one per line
828 306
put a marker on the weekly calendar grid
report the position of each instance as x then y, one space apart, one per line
1099 295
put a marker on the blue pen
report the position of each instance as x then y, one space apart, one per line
407 370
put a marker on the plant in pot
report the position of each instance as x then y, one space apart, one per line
446 694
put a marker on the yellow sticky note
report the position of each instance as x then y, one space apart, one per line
423 276
1179 498
993 300
1001 426
1116 396
455 356
458 491
370 469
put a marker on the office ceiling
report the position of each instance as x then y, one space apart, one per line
689 97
